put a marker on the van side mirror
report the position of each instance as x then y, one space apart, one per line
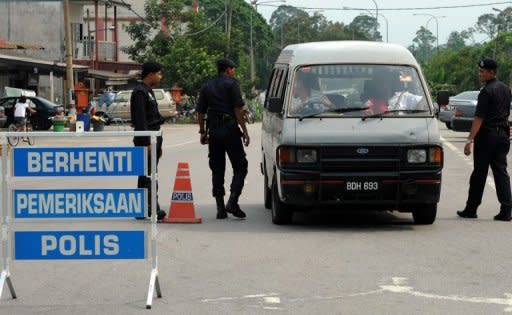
275 105
443 98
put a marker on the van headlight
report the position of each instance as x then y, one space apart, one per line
306 156
293 155
417 156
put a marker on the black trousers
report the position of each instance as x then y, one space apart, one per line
145 181
490 149
222 140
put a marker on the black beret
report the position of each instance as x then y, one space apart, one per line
149 67
225 63
488 63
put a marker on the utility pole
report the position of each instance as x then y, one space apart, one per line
228 30
68 55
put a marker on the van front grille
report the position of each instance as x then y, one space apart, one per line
360 159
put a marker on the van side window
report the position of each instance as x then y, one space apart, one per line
277 84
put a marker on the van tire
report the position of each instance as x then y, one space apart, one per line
267 193
448 125
424 214
281 214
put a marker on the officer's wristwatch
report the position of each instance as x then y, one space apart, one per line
468 141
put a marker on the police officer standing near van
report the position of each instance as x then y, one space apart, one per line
145 116
220 99
490 134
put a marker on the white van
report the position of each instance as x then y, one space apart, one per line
120 107
350 125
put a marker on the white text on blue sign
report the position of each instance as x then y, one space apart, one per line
83 203
79 245
83 161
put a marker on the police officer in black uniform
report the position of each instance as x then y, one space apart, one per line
220 99
145 116
490 133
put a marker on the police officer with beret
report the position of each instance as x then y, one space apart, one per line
221 101
490 135
145 116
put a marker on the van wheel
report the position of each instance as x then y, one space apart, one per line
448 125
267 193
281 215
424 214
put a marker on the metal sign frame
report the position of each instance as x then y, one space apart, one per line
5 220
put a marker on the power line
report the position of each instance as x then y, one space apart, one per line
396 9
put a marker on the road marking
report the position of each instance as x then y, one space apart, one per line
181 144
399 287
489 181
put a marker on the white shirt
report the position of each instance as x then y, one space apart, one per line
20 109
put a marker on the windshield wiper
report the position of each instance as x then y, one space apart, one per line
380 115
334 110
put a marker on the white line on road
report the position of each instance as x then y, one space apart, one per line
399 287
181 144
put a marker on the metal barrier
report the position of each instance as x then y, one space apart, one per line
49 242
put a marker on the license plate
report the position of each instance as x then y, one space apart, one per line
362 186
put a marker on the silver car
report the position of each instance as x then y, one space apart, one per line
468 98
120 107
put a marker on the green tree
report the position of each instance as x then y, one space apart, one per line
188 43
457 40
366 24
423 45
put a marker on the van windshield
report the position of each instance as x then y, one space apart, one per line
357 91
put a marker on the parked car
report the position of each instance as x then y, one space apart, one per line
465 98
3 118
44 111
464 112
120 107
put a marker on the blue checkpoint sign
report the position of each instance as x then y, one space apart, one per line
78 203
79 245
79 161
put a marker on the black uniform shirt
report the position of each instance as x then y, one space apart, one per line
494 104
220 95
144 112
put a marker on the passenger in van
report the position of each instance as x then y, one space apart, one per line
377 92
387 91
307 96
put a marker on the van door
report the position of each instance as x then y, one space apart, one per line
272 125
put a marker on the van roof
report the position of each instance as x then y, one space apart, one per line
360 52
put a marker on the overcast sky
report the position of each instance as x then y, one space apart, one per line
402 24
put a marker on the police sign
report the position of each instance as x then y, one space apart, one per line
85 161
67 245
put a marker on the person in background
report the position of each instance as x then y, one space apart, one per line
221 99
145 116
490 133
20 112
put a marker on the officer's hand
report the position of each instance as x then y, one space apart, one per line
467 149
204 138
247 140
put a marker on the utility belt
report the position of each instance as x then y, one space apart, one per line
220 119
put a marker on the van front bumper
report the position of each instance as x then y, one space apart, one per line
386 191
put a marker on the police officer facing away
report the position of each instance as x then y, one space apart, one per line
221 100
145 116
490 132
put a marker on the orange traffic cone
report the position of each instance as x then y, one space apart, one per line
182 202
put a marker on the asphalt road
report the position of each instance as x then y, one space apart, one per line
326 263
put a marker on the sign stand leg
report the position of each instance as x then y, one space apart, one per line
153 283
6 277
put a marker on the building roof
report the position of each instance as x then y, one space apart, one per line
17 60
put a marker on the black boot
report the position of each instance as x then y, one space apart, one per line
504 215
233 207
221 209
